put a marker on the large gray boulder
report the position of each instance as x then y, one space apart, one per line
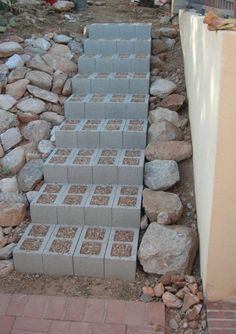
30 175
164 131
168 248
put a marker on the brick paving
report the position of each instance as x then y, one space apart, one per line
31 314
221 318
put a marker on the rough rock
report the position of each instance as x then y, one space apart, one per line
17 89
40 79
27 117
7 120
159 290
12 214
10 138
164 131
76 47
1 151
67 89
13 198
193 314
155 202
168 248
36 130
31 195
163 218
37 63
162 88
8 185
6 252
13 161
168 150
147 290
17 74
189 301
61 39
173 102
60 63
63 6
52 117
7 49
42 94
14 61
7 101
161 174
6 267
156 62
39 43
60 50
168 32
171 301
59 80
32 105
158 46
30 175
169 42
144 223
164 114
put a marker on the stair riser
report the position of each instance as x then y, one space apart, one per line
123 30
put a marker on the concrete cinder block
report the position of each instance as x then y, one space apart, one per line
95 107
122 63
105 168
111 31
89 135
27 255
96 31
127 31
137 107
100 83
135 133
74 107
55 167
140 64
66 135
111 135
58 253
139 83
142 46
121 267
107 47
119 83
91 263
125 46
130 167
91 46
81 83
126 210
98 207
87 63
116 106
104 64
143 30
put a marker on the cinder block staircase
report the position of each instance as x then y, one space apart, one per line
86 217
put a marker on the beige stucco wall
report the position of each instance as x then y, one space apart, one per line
210 72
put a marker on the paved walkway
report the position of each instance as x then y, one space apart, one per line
24 314
221 318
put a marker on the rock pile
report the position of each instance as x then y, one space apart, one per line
35 80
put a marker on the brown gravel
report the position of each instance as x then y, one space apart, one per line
63 151
75 189
66 232
129 190
109 153
60 246
90 248
103 190
95 233
99 200
46 199
39 231
125 236
138 98
102 75
135 128
57 160
97 98
52 188
68 127
77 98
106 161
82 160
132 153
121 250
130 161
73 199
140 76
127 201
86 152
31 244
121 75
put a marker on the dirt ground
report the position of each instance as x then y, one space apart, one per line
82 286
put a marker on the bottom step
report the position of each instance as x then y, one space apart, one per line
95 251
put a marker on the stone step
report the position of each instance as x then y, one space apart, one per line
87 204
119 30
117 46
114 63
113 83
102 133
94 251
97 166
113 106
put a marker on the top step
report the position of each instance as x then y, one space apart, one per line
120 30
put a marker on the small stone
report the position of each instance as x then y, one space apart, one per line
6 101
190 279
12 214
10 138
60 63
155 33
171 301
13 198
6 252
168 32
144 223
145 298
158 46
14 61
161 174
7 120
13 161
164 114
159 290
7 49
9 185
6 267
58 82
193 313
45 147
61 39
147 290
173 102
67 89
17 74
63 6
17 89
37 63
163 218
52 117
155 202
1 151
189 301
168 150
173 324
32 105
164 131
3 240
36 130
30 175
162 88
42 94
169 42
26 117
156 62
39 43
40 79
193 288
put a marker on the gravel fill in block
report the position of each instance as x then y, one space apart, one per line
137 106
98 209
130 167
89 134
126 210
55 167
58 254
121 255
27 254
95 107
70 206
66 135
111 134
89 256
43 208
75 106
116 106
135 134
80 166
